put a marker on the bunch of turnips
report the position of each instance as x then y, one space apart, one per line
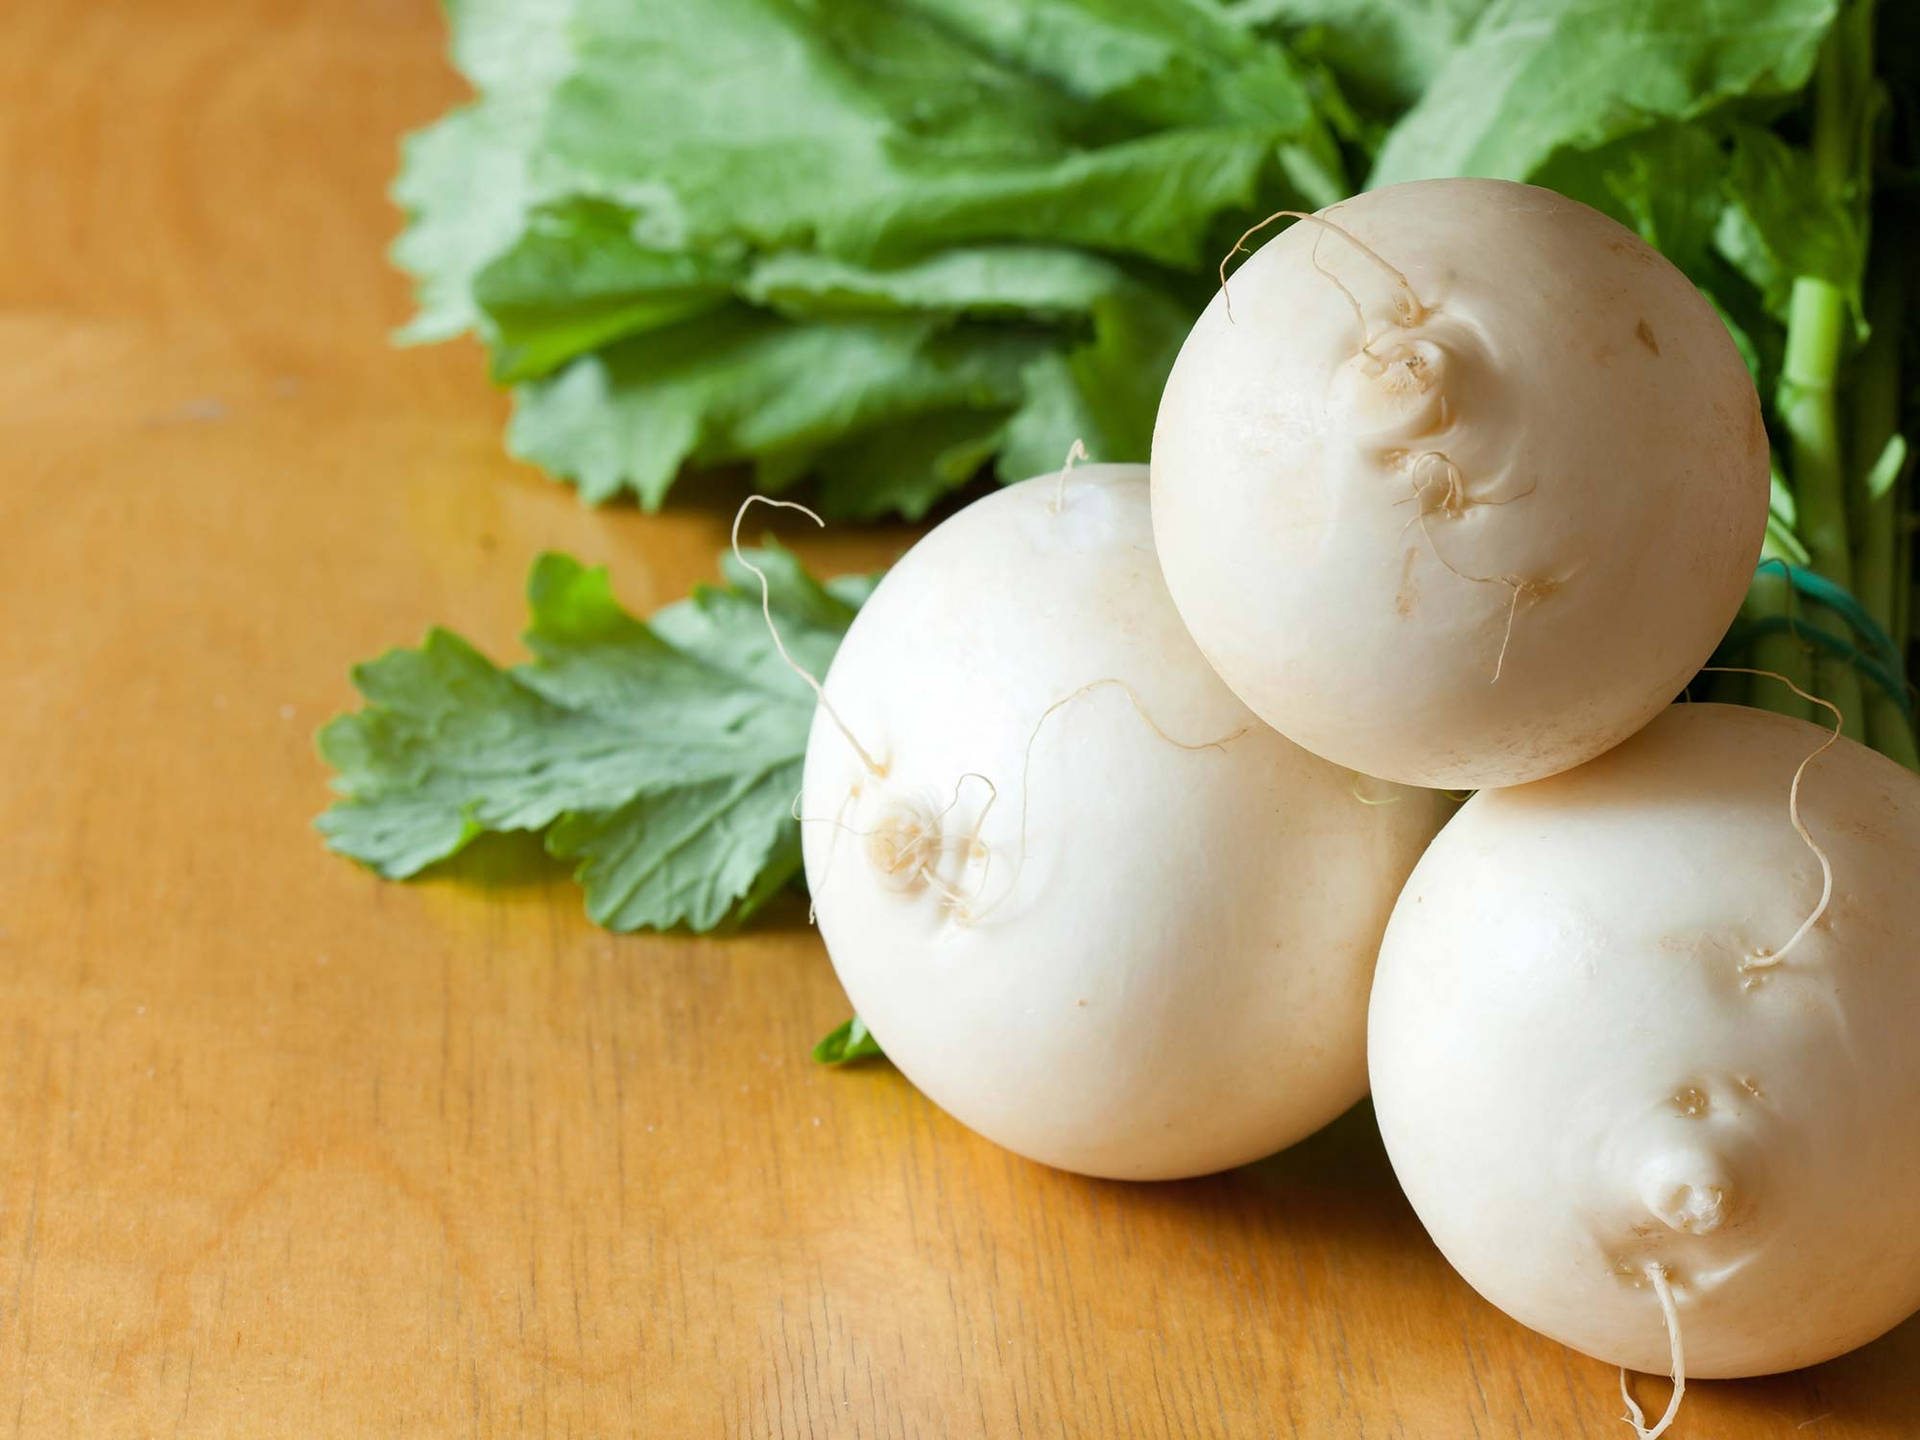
1126 815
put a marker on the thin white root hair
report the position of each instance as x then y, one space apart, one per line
1765 958
1353 300
1411 311
953 898
1075 452
1669 1313
766 612
973 841
1454 500
1453 496
813 904
1506 640
1140 710
1026 763
1522 587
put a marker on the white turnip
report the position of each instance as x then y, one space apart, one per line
1614 1065
1083 899
1458 482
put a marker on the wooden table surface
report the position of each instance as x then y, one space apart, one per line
292 1151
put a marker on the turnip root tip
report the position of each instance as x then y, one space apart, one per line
1656 1274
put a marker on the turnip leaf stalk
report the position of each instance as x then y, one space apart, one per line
1879 497
1817 321
1822 310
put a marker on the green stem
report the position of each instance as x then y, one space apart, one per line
1878 570
1816 325
1817 322
1846 53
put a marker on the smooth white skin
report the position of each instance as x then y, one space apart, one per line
1174 978
1577 1071
1568 424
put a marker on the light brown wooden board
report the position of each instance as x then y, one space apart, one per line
286 1150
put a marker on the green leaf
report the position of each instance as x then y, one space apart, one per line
906 466
1163 63
576 279
1157 197
1160 62
1668 184
925 403
994 280
1383 52
740 384
465 190
875 133
1104 394
863 237
1535 76
467 181
661 757
850 1041
1785 223
698 855
513 49
763 119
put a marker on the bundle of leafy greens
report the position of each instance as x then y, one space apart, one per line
880 245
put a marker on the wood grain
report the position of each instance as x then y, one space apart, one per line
290 1151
